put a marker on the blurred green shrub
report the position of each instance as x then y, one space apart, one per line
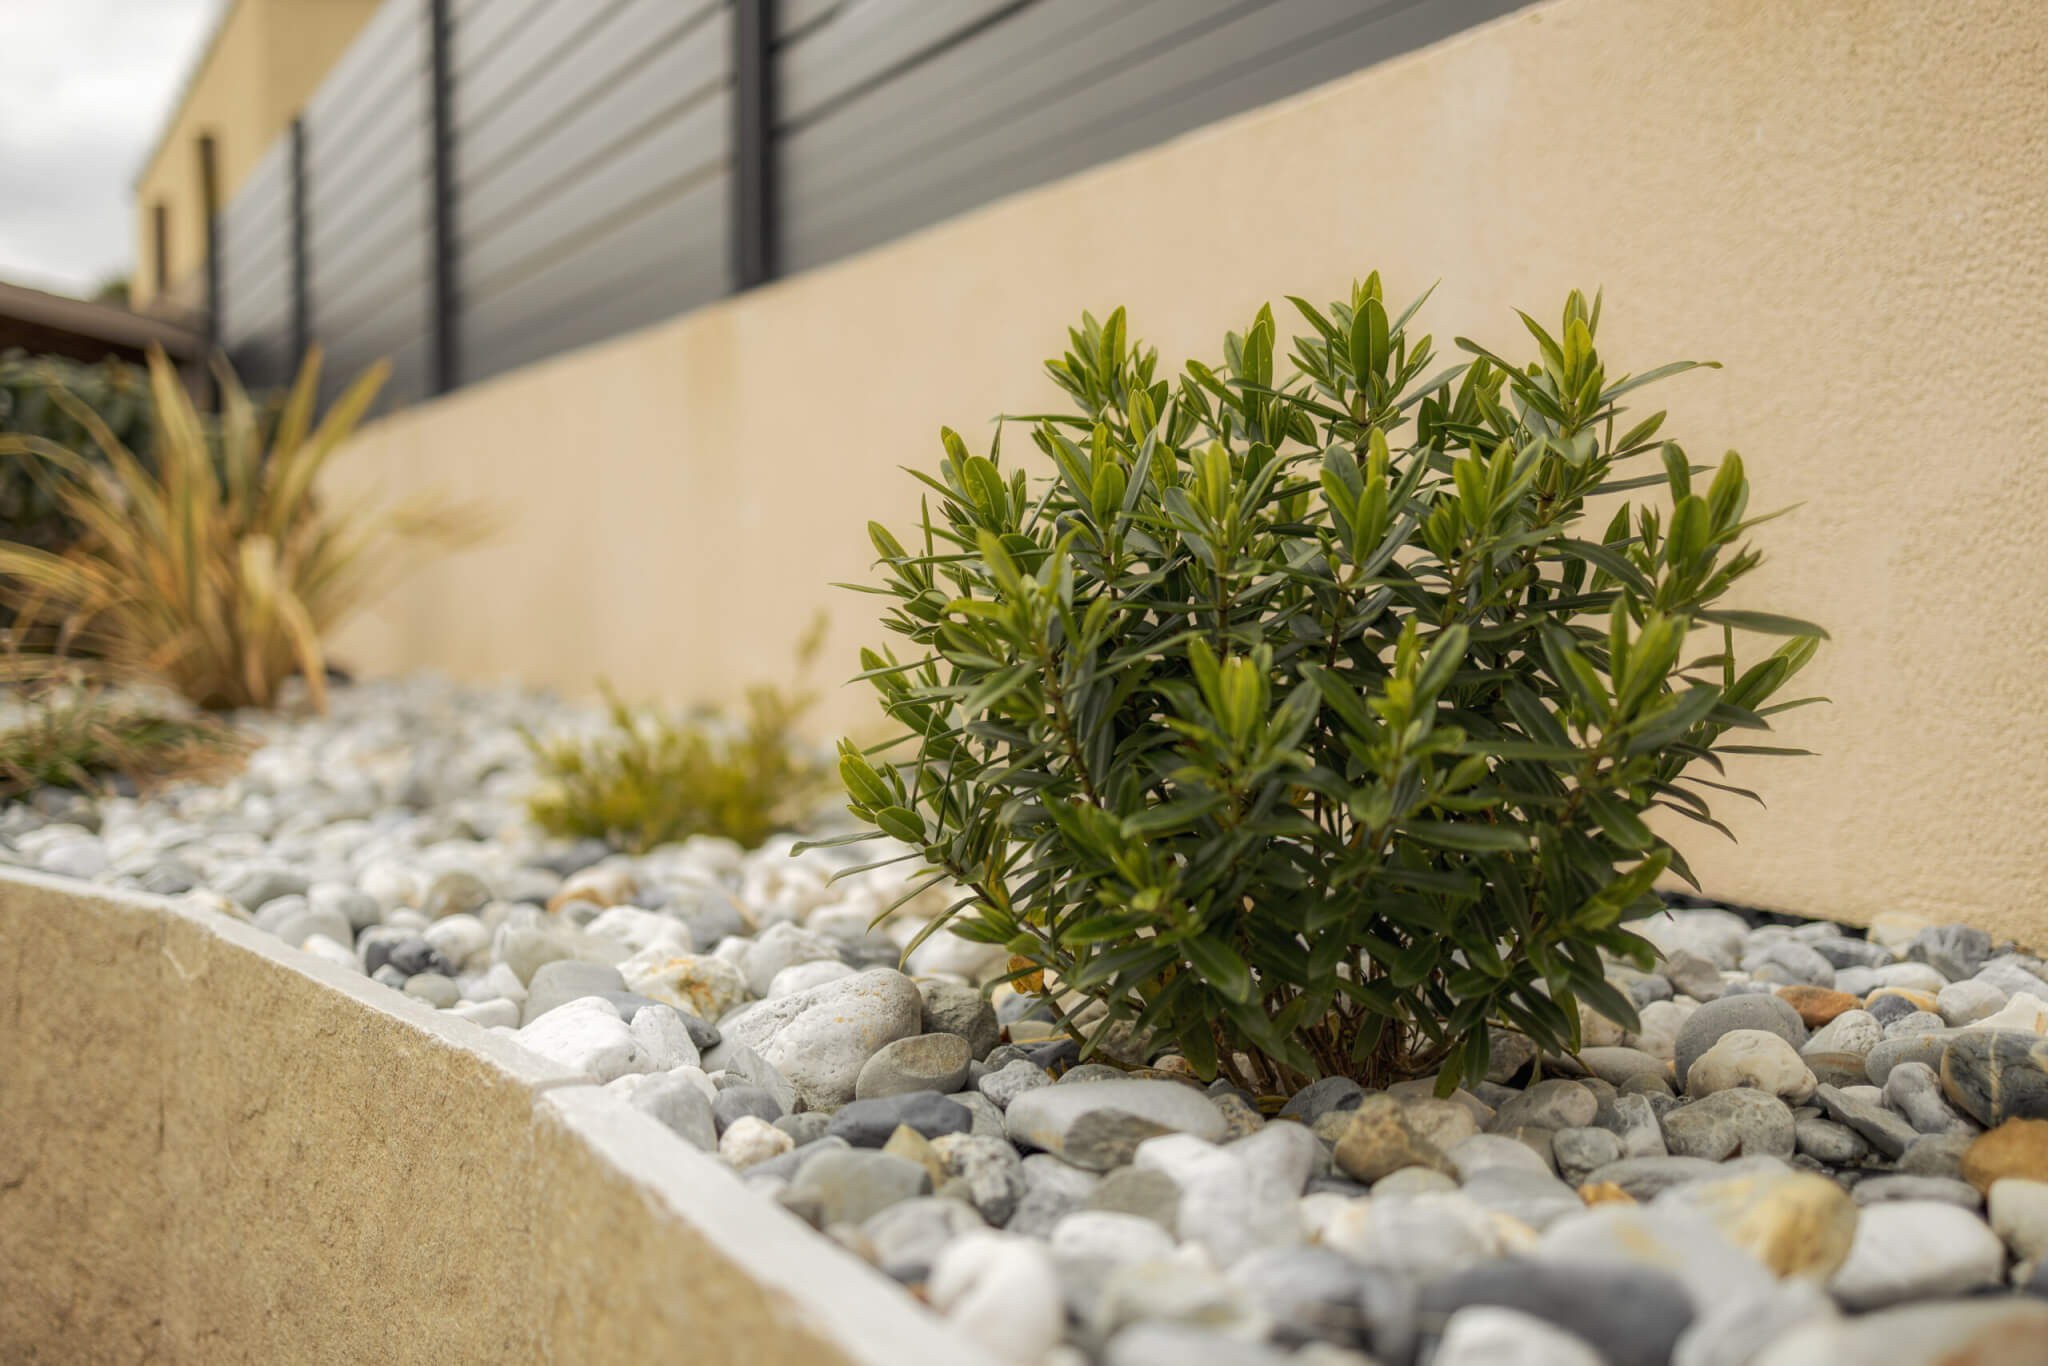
650 778
32 511
80 736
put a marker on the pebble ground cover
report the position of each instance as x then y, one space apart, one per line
1822 1146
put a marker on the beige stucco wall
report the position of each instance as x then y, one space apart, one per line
1842 201
216 1149
265 59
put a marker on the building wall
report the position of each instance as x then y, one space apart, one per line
1835 199
264 60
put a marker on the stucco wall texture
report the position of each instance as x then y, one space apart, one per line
1843 202
216 1149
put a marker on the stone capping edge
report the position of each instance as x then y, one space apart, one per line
866 1315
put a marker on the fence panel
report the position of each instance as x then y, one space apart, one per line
594 155
369 178
593 149
256 262
1037 91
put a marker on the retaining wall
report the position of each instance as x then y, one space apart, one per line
1841 200
215 1148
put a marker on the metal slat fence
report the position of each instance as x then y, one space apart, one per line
479 184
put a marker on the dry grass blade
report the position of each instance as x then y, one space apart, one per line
222 572
81 738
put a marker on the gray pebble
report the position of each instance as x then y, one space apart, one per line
869 1123
1739 1122
1829 1142
950 1008
1882 1129
1914 1090
735 1101
1012 1080
1954 951
1879 1189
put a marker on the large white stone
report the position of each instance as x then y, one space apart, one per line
1488 1335
1753 1058
2025 1011
639 930
819 1038
1916 1250
1427 1235
1099 1124
1110 1235
2019 1214
1002 1292
707 987
781 946
587 1036
663 1036
1219 1206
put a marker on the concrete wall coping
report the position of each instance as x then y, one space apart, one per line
653 1209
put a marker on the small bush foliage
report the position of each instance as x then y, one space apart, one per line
115 390
220 569
650 779
1301 719
79 737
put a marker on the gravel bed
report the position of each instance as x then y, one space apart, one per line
1822 1146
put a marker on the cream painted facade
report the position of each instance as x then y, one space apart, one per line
1843 201
265 59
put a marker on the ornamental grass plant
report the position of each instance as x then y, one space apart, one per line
649 778
221 569
1298 713
71 734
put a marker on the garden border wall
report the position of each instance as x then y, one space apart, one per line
217 1148
1821 196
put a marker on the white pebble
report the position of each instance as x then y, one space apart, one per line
1001 1291
750 1139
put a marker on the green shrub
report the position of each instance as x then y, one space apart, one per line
649 778
31 510
79 737
1302 719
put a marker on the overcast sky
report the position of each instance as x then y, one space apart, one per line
86 85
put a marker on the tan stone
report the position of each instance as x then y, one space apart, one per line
601 886
1605 1193
1818 1005
1796 1223
1378 1142
2018 1148
1440 1122
912 1146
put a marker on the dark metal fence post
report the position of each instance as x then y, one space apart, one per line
209 197
446 318
302 283
754 209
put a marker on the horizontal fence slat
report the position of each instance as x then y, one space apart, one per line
863 41
362 77
595 98
686 149
668 258
593 148
841 203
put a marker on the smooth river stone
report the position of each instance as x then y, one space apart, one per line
1099 1124
1996 1074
